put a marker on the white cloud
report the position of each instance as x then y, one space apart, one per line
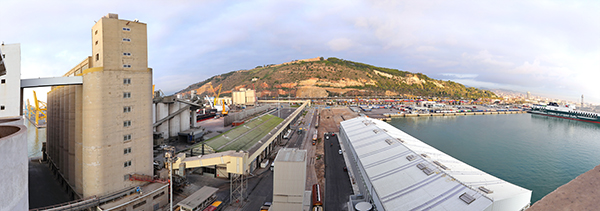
460 76
531 44
441 63
426 48
486 57
340 44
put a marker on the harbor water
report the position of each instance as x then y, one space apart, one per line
535 152
35 137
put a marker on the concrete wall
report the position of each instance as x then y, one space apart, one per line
244 97
108 51
250 97
149 200
162 111
64 133
12 121
237 116
175 122
14 165
9 91
86 131
239 97
289 180
175 125
104 130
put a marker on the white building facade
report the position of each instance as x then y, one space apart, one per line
10 84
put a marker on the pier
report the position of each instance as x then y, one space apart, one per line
388 116
455 114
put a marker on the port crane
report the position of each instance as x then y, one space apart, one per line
36 112
216 103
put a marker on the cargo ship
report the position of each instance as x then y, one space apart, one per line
207 114
565 112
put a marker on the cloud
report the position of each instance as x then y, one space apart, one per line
340 44
441 63
459 76
521 44
426 48
485 57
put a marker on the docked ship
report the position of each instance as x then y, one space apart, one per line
565 112
206 114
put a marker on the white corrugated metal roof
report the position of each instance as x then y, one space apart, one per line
397 165
197 198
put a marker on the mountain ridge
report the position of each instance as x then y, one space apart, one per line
319 77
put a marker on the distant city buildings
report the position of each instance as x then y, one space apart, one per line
528 98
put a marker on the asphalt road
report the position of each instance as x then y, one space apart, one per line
44 190
283 112
337 182
260 190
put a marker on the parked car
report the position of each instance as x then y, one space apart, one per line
340 151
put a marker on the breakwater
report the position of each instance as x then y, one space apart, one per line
452 114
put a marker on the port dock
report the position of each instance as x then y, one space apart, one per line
383 114
455 114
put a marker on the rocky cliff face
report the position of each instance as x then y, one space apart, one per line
318 77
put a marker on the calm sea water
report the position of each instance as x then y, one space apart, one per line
535 152
35 137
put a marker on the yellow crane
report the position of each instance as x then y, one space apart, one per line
215 92
224 112
39 109
29 109
216 101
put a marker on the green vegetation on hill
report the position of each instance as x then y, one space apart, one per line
337 77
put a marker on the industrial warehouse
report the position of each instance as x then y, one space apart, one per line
396 171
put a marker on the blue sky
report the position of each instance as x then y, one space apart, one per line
550 48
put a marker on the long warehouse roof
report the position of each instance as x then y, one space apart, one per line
407 174
244 137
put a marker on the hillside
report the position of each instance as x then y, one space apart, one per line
318 77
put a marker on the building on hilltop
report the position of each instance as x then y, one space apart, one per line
101 132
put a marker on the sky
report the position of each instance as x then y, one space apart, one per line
550 48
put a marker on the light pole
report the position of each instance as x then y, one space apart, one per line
170 158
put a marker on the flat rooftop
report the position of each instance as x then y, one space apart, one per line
407 174
198 197
291 155
147 189
244 136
